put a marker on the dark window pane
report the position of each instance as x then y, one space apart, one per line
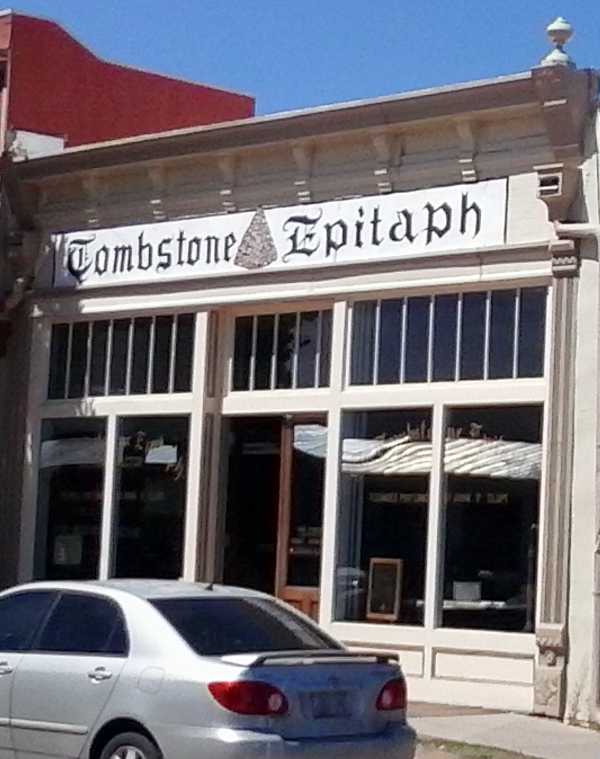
325 350
82 624
309 454
184 353
264 352
79 343
307 348
162 354
70 493
140 358
118 360
242 353
20 616
417 340
222 626
390 341
532 323
150 493
363 343
383 516
493 458
286 339
502 334
98 358
58 361
444 337
472 337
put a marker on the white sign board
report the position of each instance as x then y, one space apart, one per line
376 228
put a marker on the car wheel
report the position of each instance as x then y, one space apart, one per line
130 746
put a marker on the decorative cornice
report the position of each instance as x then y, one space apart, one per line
565 258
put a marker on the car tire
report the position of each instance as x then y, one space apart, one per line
130 746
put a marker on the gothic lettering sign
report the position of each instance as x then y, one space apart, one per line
361 230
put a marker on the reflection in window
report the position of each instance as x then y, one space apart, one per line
492 464
306 508
150 493
448 337
282 351
383 515
71 484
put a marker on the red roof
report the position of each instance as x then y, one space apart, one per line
58 87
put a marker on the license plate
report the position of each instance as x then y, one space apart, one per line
327 704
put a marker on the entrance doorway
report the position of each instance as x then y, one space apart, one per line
274 516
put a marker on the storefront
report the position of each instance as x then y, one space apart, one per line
330 358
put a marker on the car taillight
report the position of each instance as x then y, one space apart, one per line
392 696
250 697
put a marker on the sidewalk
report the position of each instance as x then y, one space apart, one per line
533 736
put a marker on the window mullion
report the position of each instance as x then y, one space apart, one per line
109 341
129 357
108 524
459 312
69 361
515 372
436 523
88 361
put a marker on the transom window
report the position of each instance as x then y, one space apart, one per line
122 357
282 351
496 334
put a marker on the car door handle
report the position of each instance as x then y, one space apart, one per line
5 668
99 674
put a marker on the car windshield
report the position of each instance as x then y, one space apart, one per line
225 626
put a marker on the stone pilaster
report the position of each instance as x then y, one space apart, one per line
551 630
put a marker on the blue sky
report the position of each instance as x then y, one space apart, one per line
299 54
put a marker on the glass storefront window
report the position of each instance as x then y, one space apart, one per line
282 351
150 496
122 357
70 496
497 334
383 516
492 461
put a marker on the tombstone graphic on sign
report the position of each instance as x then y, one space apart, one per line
257 248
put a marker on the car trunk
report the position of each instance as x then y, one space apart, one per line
329 694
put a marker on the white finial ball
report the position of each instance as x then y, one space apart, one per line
559 31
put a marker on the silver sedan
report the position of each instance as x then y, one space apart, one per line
146 669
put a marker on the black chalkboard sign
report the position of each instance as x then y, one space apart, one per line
385 583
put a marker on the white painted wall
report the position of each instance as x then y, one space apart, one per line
586 467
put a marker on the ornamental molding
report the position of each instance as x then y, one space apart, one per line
551 637
564 257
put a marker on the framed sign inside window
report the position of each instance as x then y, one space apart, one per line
385 583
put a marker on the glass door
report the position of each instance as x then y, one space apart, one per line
300 512
275 507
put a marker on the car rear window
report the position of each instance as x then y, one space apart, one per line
225 626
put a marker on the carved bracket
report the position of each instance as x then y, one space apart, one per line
93 192
303 155
383 148
467 150
565 258
156 177
228 165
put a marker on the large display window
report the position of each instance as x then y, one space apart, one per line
150 496
70 497
383 516
492 462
